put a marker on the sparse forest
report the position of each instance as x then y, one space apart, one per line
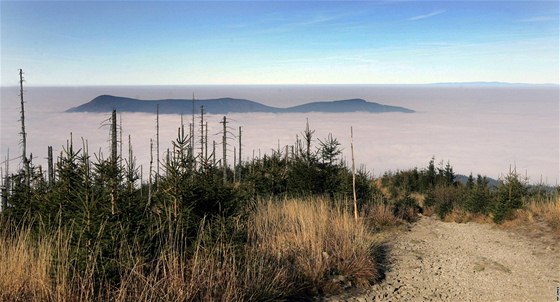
197 225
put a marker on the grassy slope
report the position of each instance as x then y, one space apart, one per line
295 248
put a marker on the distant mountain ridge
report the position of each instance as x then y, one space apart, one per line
106 103
492 84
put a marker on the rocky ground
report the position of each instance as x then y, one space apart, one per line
440 261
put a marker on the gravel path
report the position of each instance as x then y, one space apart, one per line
439 261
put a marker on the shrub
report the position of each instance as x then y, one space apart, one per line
406 208
443 199
478 197
509 197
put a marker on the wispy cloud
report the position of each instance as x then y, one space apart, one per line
289 25
537 19
426 16
341 58
319 20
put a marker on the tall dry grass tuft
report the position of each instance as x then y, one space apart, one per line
38 267
380 216
25 264
321 246
461 216
548 210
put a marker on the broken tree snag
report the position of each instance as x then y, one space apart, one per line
239 161
114 162
24 158
353 175
224 145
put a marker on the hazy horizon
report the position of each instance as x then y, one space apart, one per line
478 129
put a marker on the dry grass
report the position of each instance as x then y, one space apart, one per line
24 267
214 272
419 197
37 268
322 247
380 216
34 269
538 214
462 216
530 217
295 248
547 210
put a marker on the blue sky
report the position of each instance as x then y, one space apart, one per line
367 42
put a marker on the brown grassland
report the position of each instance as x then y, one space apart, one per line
295 247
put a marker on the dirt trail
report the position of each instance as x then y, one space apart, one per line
439 261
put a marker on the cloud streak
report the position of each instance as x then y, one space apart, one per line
537 19
426 16
291 25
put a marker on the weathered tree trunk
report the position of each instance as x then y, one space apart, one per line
202 157
50 166
224 145
114 158
6 183
25 160
150 173
141 180
353 175
130 165
239 161
120 141
157 145
206 160
214 153
192 136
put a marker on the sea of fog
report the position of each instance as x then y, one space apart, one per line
482 130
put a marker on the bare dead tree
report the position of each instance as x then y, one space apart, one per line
353 175
157 145
120 140
131 165
202 157
239 161
114 161
206 143
4 192
50 166
6 182
24 158
214 153
192 132
87 196
308 135
224 145
150 173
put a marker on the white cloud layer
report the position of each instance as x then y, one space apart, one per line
479 130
